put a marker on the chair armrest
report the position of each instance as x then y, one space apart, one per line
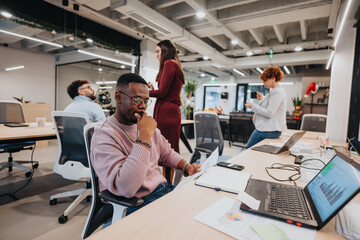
128 202
203 150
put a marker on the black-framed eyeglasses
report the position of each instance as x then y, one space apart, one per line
137 100
89 87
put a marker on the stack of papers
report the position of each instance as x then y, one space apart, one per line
348 221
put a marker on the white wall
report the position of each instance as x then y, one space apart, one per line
35 83
341 80
149 66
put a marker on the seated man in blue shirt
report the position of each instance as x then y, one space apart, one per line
83 95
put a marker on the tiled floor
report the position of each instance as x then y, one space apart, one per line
32 217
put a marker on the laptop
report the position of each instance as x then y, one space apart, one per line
16 125
315 205
275 150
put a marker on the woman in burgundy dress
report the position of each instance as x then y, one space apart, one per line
170 80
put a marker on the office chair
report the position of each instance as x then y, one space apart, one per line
241 126
12 112
71 161
101 212
313 122
208 136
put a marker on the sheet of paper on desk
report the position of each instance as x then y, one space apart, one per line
209 162
226 216
224 179
248 200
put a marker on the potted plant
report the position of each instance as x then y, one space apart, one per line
297 102
189 87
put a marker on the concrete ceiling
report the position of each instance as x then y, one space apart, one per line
256 26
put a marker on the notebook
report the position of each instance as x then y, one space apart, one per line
322 198
275 150
222 179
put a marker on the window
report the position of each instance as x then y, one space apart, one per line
212 96
244 95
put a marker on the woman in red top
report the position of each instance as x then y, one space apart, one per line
170 80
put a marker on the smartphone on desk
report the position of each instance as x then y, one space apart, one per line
231 165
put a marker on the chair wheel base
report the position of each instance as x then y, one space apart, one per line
53 201
62 219
27 174
36 165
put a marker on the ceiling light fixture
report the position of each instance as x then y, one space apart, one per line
53 32
330 60
100 69
106 87
286 83
14 68
200 14
212 78
249 53
106 82
255 84
339 33
286 70
298 49
234 42
259 70
6 14
89 40
238 72
122 66
206 58
202 75
106 58
342 22
33 39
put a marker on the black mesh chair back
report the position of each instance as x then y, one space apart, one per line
208 135
241 127
70 129
313 122
100 212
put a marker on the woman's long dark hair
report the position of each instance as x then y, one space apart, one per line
168 51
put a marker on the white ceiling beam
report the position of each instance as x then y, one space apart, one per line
166 3
280 32
333 16
282 47
258 35
258 20
210 16
303 29
221 40
288 59
94 4
213 5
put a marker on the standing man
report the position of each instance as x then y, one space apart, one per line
83 95
127 148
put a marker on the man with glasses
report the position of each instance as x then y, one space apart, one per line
127 149
83 95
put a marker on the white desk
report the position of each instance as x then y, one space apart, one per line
171 217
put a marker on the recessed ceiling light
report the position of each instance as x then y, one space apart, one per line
202 75
14 68
298 48
249 53
234 42
286 70
100 69
122 66
6 14
200 14
99 61
213 78
238 72
206 57
89 40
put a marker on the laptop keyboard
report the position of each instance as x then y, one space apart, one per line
288 201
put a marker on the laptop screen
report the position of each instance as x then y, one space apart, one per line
335 184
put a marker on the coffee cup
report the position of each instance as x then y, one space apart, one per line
40 122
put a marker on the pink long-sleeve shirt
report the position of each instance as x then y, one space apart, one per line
126 168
